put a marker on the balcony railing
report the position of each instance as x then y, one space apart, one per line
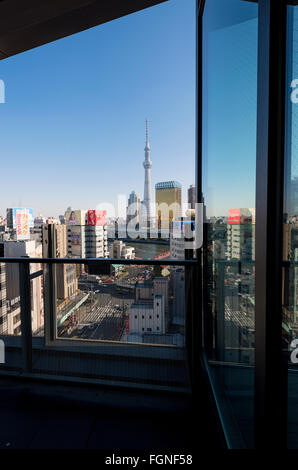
99 331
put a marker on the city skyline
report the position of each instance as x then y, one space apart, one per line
147 204
78 107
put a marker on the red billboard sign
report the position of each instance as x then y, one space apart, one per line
234 216
239 216
22 224
95 217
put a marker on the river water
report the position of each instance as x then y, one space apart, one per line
148 250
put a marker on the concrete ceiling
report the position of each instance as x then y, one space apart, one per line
25 24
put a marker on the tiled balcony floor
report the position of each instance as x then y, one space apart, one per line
37 415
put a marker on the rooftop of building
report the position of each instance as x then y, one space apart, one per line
144 284
168 185
142 304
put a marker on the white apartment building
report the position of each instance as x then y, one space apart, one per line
76 242
241 234
96 241
148 317
147 290
118 249
86 236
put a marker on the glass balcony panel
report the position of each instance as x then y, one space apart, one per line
79 115
10 299
290 227
230 36
126 326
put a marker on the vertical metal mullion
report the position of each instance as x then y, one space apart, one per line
50 290
199 164
205 332
289 110
26 322
197 279
199 99
50 321
270 370
193 274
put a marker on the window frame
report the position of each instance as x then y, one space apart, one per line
270 397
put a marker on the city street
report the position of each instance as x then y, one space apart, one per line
102 317
105 318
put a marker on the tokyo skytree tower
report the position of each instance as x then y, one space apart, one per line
147 184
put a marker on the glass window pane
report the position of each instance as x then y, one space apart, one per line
290 226
229 170
106 134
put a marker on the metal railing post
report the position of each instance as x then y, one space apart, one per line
271 375
26 321
50 290
220 287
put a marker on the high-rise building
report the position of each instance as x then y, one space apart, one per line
19 249
133 209
191 196
75 222
147 290
147 164
87 234
147 317
241 234
168 203
66 274
118 249
67 280
149 312
20 220
61 244
96 235
96 241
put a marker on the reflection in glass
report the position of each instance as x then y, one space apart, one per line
290 227
229 162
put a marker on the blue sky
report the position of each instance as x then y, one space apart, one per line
293 108
73 125
230 107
